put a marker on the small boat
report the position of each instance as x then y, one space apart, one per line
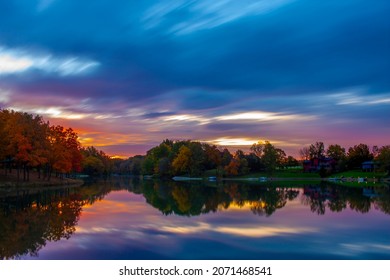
263 179
212 178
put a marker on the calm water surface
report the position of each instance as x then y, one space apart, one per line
131 219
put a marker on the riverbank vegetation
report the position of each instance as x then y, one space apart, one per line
196 159
33 150
30 144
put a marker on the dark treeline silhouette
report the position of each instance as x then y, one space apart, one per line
336 158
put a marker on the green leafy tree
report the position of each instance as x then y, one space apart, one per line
197 158
357 155
384 158
270 157
337 153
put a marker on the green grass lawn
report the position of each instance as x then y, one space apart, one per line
298 173
358 173
283 174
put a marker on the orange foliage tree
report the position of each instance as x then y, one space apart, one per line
27 142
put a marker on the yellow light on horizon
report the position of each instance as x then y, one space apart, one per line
234 141
263 116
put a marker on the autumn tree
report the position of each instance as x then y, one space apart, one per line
27 142
182 163
233 168
243 163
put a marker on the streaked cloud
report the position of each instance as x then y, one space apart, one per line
228 72
234 141
14 61
352 249
264 116
52 112
361 99
206 14
187 118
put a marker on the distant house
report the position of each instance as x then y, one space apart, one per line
369 166
316 164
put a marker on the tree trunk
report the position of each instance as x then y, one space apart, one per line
18 171
24 172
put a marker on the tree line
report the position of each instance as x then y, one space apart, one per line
193 158
350 159
28 142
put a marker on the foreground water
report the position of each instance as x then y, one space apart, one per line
132 219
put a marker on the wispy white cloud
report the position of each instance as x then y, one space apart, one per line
187 118
263 116
52 112
358 99
16 61
207 14
252 116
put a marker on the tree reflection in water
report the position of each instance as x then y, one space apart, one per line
29 221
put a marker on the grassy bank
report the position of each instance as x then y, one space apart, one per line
360 174
11 180
293 174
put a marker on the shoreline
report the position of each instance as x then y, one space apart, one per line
4 185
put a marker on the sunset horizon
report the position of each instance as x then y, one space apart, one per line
289 72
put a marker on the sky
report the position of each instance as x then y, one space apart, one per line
128 74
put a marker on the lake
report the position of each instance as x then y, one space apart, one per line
127 218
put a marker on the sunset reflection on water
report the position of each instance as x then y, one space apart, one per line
126 225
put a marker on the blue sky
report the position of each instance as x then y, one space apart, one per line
128 74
